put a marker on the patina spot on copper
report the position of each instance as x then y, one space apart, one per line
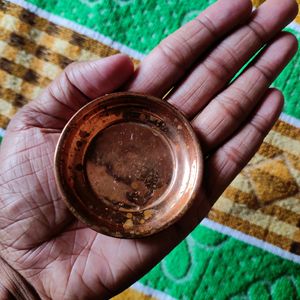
128 165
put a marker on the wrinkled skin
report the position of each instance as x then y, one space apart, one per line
59 256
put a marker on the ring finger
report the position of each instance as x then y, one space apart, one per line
225 113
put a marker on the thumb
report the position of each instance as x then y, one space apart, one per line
79 83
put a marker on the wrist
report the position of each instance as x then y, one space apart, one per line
13 285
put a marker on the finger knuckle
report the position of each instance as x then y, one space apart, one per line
207 24
265 71
176 52
259 125
222 62
258 30
217 68
232 106
235 155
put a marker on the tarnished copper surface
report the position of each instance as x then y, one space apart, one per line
128 165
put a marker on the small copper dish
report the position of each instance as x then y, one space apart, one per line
128 165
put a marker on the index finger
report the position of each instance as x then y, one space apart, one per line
164 66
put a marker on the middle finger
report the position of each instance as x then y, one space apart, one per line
171 59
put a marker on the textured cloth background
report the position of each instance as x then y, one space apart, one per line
249 246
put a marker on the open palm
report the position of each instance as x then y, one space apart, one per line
60 257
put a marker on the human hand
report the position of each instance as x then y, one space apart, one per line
60 257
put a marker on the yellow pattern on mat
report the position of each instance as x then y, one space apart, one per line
33 51
132 294
264 200
258 2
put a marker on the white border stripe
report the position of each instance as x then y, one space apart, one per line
290 120
79 28
151 292
295 26
250 240
2 132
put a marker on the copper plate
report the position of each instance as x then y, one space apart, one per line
128 165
